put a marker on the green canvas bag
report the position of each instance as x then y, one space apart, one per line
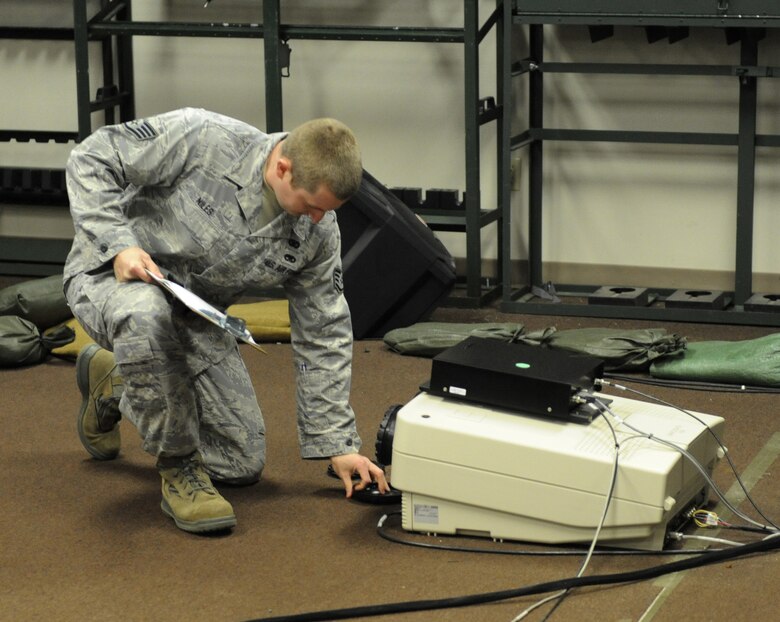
628 350
41 301
22 344
620 349
430 338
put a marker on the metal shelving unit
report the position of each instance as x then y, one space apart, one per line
113 27
114 98
746 25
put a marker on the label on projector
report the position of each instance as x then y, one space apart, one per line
458 391
426 514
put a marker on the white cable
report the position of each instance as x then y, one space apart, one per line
703 471
684 536
774 527
603 407
603 519
538 604
691 459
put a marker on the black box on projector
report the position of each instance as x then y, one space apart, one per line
528 379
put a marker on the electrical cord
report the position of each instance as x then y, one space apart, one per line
560 596
717 440
763 546
382 531
651 437
563 587
694 385
709 519
692 459
676 535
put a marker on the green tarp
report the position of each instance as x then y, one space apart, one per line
754 362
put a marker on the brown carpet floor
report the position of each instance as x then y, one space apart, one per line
85 540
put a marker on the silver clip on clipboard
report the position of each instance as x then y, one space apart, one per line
233 325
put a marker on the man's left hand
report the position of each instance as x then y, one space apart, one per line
348 464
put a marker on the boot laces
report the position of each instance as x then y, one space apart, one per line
194 479
107 412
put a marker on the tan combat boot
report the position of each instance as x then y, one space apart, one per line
101 388
189 497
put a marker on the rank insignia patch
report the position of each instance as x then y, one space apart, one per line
338 280
141 130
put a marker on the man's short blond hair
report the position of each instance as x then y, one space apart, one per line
324 151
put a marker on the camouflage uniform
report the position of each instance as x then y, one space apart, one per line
186 187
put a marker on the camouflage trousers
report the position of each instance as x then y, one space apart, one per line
186 387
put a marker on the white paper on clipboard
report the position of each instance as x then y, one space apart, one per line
233 325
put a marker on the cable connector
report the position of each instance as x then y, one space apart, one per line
583 398
611 384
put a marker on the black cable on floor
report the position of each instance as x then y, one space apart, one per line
762 546
383 533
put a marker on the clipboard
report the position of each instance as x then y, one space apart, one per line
233 325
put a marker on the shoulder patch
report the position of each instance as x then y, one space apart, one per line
338 280
141 130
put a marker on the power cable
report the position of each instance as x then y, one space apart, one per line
717 440
736 550
693 385
382 531
769 544
559 597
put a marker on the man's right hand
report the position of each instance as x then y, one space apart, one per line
131 264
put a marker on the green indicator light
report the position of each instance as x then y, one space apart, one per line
523 365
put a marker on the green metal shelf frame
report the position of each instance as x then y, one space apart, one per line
472 218
746 139
114 20
43 256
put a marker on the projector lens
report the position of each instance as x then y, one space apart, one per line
384 436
